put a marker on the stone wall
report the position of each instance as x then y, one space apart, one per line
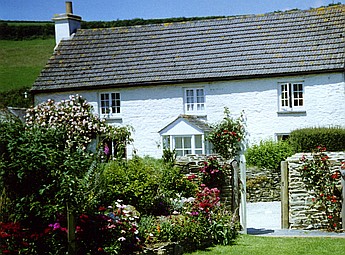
301 216
263 185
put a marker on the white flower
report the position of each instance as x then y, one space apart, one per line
121 239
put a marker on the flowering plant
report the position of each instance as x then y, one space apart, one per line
323 179
213 173
227 137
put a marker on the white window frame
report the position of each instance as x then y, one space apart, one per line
291 96
193 101
111 105
169 142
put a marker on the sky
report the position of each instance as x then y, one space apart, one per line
108 10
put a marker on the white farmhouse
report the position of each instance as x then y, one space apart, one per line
285 70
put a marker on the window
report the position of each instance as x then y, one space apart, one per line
113 149
291 97
110 104
194 100
183 145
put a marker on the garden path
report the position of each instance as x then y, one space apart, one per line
263 215
263 218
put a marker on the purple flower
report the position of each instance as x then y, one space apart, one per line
106 149
56 226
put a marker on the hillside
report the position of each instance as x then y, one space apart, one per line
22 61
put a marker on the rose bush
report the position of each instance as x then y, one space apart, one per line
227 137
323 180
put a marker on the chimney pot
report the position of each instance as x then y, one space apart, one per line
69 8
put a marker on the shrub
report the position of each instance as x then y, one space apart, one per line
268 154
227 136
135 181
16 98
307 139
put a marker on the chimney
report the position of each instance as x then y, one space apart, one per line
66 24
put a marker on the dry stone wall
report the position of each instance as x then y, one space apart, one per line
263 185
301 216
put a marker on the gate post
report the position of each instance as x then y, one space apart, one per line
342 171
243 205
284 195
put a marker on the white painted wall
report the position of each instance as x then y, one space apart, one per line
149 109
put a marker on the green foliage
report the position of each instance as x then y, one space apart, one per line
27 174
16 98
323 180
134 181
306 139
169 156
139 22
227 136
257 181
268 154
26 31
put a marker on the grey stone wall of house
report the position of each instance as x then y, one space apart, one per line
301 216
263 185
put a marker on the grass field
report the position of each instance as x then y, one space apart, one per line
255 245
22 61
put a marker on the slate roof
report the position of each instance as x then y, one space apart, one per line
238 47
196 121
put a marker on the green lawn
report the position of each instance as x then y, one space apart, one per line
22 61
254 245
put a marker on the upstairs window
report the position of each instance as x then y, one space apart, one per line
110 104
291 97
194 100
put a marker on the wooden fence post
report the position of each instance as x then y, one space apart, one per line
343 199
243 192
284 195
235 193
71 227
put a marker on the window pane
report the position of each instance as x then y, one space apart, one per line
115 102
166 142
198 141
178 143
284 95
190 96
185 152
179 153
104 103
187 142
199 152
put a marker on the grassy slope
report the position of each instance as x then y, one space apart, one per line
255 245
22 61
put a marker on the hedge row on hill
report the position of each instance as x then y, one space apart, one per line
24 32
11 31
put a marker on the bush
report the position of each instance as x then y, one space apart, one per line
16 98
268 154
228 135
134 181
307 139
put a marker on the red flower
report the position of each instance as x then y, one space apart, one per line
335 175
102 209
